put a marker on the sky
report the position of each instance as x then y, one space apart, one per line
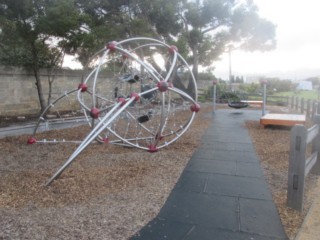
297 55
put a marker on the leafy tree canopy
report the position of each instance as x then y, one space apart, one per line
37 33
202 30
275 84
213 26
34 33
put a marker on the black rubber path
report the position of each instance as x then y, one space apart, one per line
222 193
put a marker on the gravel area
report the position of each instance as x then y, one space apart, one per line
272 145
110 191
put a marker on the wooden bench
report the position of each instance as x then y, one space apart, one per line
282 119
253 102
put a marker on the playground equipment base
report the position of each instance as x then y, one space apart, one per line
282 119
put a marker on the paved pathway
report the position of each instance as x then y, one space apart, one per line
222 193
45 126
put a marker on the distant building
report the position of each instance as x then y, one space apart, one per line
304 85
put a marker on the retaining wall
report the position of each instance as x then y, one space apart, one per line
18 91
19 95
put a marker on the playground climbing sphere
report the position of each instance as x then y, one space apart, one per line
148 99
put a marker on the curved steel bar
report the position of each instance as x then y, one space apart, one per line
177 90
187 125
151 71
192 76
95 78
174 59
143 39
128 141
123 119
93 134
172 67
182 132
168 46
47 109
152 45
163 118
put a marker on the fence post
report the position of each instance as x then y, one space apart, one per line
297 103
297 162
292 102
314 108
316 147
318 108
264 101
302 106
308 108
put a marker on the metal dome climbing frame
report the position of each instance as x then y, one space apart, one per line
138 92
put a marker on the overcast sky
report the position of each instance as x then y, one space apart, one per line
298 43
297 55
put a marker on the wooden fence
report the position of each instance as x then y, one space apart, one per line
300 165
308 107
305 106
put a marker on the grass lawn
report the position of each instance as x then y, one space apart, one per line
313 95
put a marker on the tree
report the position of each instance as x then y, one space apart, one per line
252 88
34 34
104 22
37 33
210 27
203 30
239 79
120 19
280 85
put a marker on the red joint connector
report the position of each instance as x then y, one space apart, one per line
94 113
83 87
195 108
263 81
153 148
122 101
105 140
136 96
112 46
32 140
173 49
162 86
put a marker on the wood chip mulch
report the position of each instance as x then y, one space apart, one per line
110 192
272 145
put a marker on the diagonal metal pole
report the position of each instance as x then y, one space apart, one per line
92 135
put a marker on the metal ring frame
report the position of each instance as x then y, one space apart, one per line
138 92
